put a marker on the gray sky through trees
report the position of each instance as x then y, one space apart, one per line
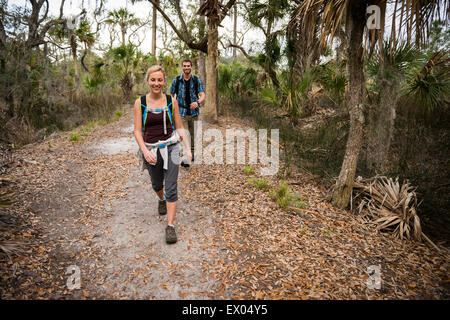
143 10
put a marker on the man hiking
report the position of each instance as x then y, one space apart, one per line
189 93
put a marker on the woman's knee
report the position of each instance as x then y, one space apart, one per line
157 184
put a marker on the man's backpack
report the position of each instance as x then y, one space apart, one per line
177 84
144 110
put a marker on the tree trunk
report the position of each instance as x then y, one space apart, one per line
380 128
202 67
123 37
201 55
344 184
235 33
273 76
73 46
154 31
210 109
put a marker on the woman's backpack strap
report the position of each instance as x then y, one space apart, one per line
144 111
170 109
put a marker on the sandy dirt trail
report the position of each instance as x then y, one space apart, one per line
94 209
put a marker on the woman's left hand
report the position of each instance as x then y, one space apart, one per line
189 156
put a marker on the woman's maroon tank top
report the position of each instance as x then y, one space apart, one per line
154 126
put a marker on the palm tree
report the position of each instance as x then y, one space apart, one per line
126 59
329 15
81 34
86 37
264 15
124 19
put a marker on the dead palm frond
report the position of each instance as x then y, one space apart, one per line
328 15
5 199
7 224
10 247
391 206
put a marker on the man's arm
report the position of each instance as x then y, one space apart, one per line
201 97
172 88
201 91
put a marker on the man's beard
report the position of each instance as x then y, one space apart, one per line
187 72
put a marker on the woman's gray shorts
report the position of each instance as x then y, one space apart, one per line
170 176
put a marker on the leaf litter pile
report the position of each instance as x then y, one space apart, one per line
262 251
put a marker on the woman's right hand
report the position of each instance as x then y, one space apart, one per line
149 156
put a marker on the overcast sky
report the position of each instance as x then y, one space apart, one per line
141 10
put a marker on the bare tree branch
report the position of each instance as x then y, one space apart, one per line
226 9
82 58
185 36
3 36
230 45
180 16
36 38
61 9
223 45
143 24
57 45
45 14
166 17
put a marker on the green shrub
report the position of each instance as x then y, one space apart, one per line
259 184
284 197
74 137
117 115
235 80
248 170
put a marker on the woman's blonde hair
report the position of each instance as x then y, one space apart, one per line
154 68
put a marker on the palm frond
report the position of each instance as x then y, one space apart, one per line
5 199
430 87
390 206
416 17
327 14
10 247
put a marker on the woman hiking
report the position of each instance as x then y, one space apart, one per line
158 130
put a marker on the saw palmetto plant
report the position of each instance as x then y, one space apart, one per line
430 87
7 247
390 205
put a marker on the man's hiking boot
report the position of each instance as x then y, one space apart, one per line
162 209
171 236
185 164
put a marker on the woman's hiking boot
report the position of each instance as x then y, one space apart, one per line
171 236
162 208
